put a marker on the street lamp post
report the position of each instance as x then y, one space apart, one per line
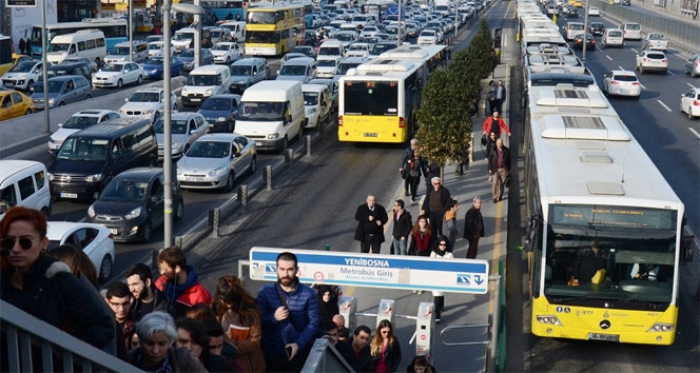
585 33
167 116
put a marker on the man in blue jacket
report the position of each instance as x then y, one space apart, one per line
289 317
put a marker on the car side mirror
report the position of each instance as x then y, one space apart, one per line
288 118
154 199
61 124
126 99
278 72
238 154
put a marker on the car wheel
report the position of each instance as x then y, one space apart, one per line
285 145
179 210
146 231
105 271
120 83
139 80
30 85
28 111
253 166
230 181
228 60
89 96
690 113
60 104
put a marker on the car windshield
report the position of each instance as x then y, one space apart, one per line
328 51
59 47
112 68
187 53
344 67
310 98
221 47
293 70
217 104
83 149
121 51
358 47
209 149
261 111
381 48
145 97
240 70
183 36
427 33
78 123
326 63
125 190
202 80
178 126
345 37
155 47
23 67
153 61
74 60
54 87
304 51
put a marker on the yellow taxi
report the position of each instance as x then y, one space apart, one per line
578 4
17 58
572 2
14 104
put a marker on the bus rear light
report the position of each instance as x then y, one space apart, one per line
402 122
662 327
340 121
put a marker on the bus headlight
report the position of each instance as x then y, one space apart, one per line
662 327
548 319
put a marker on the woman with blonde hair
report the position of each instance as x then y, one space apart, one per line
238 314
385 348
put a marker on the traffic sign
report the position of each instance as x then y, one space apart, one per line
392 10
379 271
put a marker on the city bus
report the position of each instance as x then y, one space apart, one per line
274 30
604 231
378 101
6 59
231 10
114 29
433 56
308 14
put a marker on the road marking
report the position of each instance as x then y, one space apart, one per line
694 132
608 57
664 105
642 85
689 85
621 68
670 72
505 41
634 50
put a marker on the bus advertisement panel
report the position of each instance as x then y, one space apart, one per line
274 30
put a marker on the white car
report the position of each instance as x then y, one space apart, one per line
690 103
95 240
117 74
227 52
76 122
369 31
428 37
23 75
357 50
186 128
155 48
147 103
215 161
622 83
326 66
594 11
651 60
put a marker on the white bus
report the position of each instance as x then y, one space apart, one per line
114 29
86 43
378 101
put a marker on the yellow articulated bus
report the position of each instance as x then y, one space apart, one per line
378 101
274 30
6 59
604 235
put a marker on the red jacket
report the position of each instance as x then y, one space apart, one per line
196 293
501 124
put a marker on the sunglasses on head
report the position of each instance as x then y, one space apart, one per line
8 243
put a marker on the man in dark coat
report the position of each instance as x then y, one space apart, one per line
473 227
499 169
437 200
147 298
371 218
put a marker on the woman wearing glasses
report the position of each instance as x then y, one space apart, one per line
46 288
440 251
385 348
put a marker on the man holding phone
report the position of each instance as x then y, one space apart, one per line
289 318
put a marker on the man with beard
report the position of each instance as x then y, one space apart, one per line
362 361
179 281
147 298
118 298
289 318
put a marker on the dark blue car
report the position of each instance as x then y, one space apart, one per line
220 111
153 66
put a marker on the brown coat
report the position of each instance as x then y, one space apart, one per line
248 352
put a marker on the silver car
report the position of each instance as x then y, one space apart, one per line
186 129
215 161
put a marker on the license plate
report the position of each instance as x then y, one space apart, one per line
195 100
193 179
258 143
371 134
69 195
603 337
113 231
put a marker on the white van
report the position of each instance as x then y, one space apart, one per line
572 29
183 38
331 48
272 113
121 52
317 102
84 43
613 37
631 30
24 183
236 29
204 82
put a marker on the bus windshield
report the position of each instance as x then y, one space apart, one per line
371 98
612 253
264 18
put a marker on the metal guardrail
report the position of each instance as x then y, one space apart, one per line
683 32
325 358
31 341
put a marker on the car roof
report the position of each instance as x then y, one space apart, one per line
623 72
249 60
66 77
56 229
93 113
226 95
150 89
185 115
310 87
219 137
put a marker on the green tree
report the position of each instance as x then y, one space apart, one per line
445 127
481 50
464 80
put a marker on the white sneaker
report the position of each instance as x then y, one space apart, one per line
420 292
490 178
415 291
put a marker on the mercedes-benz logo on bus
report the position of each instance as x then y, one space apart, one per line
605 324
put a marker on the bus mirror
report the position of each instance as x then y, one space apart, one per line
688 248
533 226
